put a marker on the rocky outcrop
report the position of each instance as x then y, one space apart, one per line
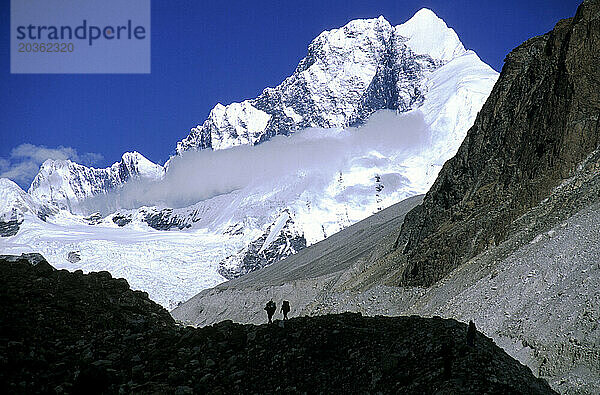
9 228
157 218
280 240
65 332
167 218
539 123
93 219
121 219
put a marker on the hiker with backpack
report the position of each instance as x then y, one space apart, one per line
285 309
270 308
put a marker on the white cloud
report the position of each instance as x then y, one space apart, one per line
24 161
199 175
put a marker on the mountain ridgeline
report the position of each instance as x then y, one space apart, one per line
65 184
412 89
539 123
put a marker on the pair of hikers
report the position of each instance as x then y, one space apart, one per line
271 307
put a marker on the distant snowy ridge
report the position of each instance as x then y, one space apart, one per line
66 184
348 73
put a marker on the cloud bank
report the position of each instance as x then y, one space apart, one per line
199 175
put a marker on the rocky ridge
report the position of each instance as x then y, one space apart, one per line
68 332
280 240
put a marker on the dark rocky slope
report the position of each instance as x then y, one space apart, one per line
540 122
75 333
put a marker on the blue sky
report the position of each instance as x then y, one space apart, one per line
207 52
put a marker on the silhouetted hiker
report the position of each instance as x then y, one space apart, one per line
271 307
471 334
285 309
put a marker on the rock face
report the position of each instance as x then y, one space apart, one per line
73 333
10 227
15 204
539 123
65 184
159 218
347 74
280 240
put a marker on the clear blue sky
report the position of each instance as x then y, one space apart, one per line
204 52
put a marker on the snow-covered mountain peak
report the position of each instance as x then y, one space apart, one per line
359 42
244 121
15 204
55 164
358 27
65 184
428 34
141 166
348 74
11 195
296 191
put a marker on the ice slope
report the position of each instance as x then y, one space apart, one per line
65 184
347 74
170 266
274 231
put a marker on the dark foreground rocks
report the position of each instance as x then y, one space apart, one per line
63 332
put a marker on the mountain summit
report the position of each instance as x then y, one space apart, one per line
65 183
428 34
347 74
